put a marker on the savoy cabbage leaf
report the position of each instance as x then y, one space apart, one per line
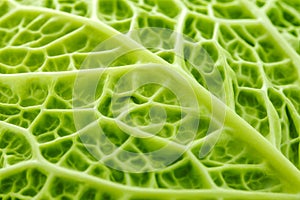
57 141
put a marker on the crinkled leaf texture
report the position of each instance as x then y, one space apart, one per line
47 146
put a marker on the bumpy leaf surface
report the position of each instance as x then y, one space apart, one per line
64 137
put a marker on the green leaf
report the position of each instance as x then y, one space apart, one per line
200 100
